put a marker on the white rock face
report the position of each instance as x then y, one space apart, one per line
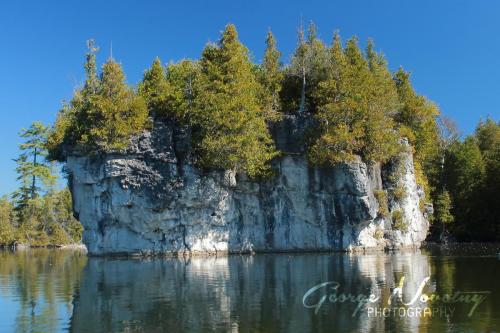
152 200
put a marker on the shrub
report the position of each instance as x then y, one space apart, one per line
399 193
378 234
381 197
398 221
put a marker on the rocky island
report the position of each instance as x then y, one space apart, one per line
221 155
151 199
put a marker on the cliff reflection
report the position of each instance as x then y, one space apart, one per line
236 293
55 291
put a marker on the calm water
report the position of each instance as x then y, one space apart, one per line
62 290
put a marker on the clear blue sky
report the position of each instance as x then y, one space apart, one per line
451 47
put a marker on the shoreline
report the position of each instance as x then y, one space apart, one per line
189 254
21 247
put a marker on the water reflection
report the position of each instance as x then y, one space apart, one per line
37 287
58 291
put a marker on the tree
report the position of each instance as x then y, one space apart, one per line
355 105
380 139
232 122
117 114
309 65
416 118
102 116
155 89
464 169
32 167
271 76
442 210
7 234
487 136
181 77
339 133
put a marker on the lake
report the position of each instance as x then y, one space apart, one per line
436 289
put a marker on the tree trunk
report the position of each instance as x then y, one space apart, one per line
33 184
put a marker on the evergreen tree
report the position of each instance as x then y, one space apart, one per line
308 67
234 133
417 119
381 139
442 210
182 77
117 114
155 89
32 168
7 233
271 76
355 107
340 131
101 116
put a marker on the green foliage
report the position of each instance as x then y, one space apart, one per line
115 114
378 234
416 118
155 89
399 193
182 77
442 208
464 169
45 220
271 77
32 167
102 116
232 122
355 107
308 67
383 208
7 232
169 92
470 173
39 215
398 221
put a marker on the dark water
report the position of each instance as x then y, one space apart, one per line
62 290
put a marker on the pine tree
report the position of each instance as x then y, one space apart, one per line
234 133
117 113
442 210
32 168
155 89
309 65
103 115
380 136
417 119
271 77
182 77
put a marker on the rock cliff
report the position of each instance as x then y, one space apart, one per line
151 199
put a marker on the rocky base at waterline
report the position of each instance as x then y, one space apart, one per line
151 199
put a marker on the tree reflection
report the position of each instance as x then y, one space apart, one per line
42 283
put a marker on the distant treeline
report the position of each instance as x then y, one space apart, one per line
361 109
37 214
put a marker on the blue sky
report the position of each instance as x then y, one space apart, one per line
451 47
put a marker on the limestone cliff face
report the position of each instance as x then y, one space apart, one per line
151 199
